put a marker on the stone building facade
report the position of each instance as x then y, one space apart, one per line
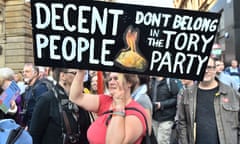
202 5
15 34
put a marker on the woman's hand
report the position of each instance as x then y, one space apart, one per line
13 107
119 95
13 104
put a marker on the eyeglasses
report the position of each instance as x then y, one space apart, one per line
112 78
219 65
211 67
26 71
71 72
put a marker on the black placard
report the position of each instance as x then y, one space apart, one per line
122 38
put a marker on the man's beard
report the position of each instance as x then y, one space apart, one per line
27 80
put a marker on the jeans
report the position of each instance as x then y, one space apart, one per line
163 131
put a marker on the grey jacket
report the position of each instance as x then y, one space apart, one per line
226 105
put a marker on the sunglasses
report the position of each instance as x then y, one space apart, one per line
211 67
71 72
113 78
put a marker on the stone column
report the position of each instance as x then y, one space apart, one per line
18 34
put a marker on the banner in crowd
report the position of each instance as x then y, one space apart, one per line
10 94
125 38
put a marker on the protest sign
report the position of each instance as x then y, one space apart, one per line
122 38
10 94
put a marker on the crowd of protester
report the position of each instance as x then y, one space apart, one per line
59 105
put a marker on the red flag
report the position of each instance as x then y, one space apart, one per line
100 82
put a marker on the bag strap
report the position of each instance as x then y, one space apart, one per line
67 124
129 108
145 119
154 89
61 111
14 135
168 84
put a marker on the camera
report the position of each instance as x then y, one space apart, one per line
71 139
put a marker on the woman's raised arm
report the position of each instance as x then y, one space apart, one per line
89 102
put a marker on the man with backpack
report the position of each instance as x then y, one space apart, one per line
61 121
164 97
36 87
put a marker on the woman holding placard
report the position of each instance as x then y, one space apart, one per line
115 123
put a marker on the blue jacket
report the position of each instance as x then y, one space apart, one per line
31 96
228 80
